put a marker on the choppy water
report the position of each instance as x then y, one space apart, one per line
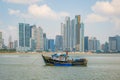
31 67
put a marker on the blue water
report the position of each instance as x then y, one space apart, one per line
31 67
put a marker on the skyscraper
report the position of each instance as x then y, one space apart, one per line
63 34
33 38
67 33
77 26
45 42
1 40
51 46
24 35
86 44
39 41
81 37
59 43
15 44
114 44
93 44
73 34
10 45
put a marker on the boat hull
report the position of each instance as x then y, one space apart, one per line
51 62
62 64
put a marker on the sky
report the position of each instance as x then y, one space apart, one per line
101 18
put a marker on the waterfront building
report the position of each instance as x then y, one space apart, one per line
63 34
36 38
67 33
86 43
93 44
32 44
90 44
59 43
34 32
24 35
51 46
105 47
98 45
33 38
1 40
114 44
77 30
72 35
15 44
10 44
81 37
3 45
39 40
72 32
45 42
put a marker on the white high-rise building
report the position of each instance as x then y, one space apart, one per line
67 25
39 40
36 40
73 34
33 38
63 34
81 37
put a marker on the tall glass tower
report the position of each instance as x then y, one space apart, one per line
81 37
59 43
77 30
51 46
73 34
45 42
67 33
24 35
114 44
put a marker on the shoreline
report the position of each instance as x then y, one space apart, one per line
82 53
43 52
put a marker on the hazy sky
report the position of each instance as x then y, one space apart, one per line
101 17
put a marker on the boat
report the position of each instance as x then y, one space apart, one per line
63 60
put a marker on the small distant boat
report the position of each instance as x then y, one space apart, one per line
63 60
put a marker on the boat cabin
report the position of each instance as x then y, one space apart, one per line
60 57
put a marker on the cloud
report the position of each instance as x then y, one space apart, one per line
42 11
94 18
103 7
12 12
36 11
22 1
107 11
63 14
116 21
45 11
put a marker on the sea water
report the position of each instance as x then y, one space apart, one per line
32 67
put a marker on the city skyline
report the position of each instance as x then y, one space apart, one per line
49 14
